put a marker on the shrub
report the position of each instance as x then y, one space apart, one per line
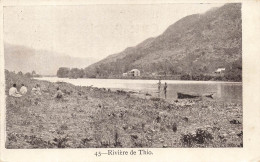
155 99
201 137
174 127
61 142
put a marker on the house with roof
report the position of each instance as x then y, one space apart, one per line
133 73
220 70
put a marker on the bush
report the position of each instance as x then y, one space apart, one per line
61 142
156 99
201 137
185 77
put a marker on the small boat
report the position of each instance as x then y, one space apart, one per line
183 95
209 95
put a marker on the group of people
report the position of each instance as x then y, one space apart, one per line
36 90
164 89
23 90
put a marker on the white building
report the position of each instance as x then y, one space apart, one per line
124 74
220 70
134 72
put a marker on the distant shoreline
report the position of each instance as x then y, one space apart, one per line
197 81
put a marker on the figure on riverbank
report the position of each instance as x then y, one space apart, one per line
59 94
23 89
159 87
165 90
36 90
13 91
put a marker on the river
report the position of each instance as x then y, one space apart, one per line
227 91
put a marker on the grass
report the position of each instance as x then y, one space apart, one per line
93 117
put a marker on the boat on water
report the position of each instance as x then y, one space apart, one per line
185 95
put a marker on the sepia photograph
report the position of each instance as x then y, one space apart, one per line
123 76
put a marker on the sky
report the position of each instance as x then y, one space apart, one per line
94 31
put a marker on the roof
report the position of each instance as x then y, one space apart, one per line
220 69
135 70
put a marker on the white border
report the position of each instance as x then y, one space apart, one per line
251 97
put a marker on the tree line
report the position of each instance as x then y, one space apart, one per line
64 72
233 72
28 74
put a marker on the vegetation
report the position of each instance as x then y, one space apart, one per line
233 73
64 72
89 117
29 75
196 45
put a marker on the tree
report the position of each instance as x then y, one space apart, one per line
28 75
234 71
33 73
63 72
76 73
81 73
20 73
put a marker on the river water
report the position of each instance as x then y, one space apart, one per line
227 91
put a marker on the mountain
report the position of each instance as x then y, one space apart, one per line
196 44
25 59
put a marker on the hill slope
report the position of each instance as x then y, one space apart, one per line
196 44
20 58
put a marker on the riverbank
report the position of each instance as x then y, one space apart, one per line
173 78
99 117
227 91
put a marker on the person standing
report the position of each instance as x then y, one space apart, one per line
165 89
159 87
23 89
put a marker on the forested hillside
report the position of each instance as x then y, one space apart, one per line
195 45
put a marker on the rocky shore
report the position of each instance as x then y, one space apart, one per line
98 117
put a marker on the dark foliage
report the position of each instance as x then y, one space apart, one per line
64 72
201 137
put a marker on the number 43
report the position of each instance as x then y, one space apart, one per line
98 153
